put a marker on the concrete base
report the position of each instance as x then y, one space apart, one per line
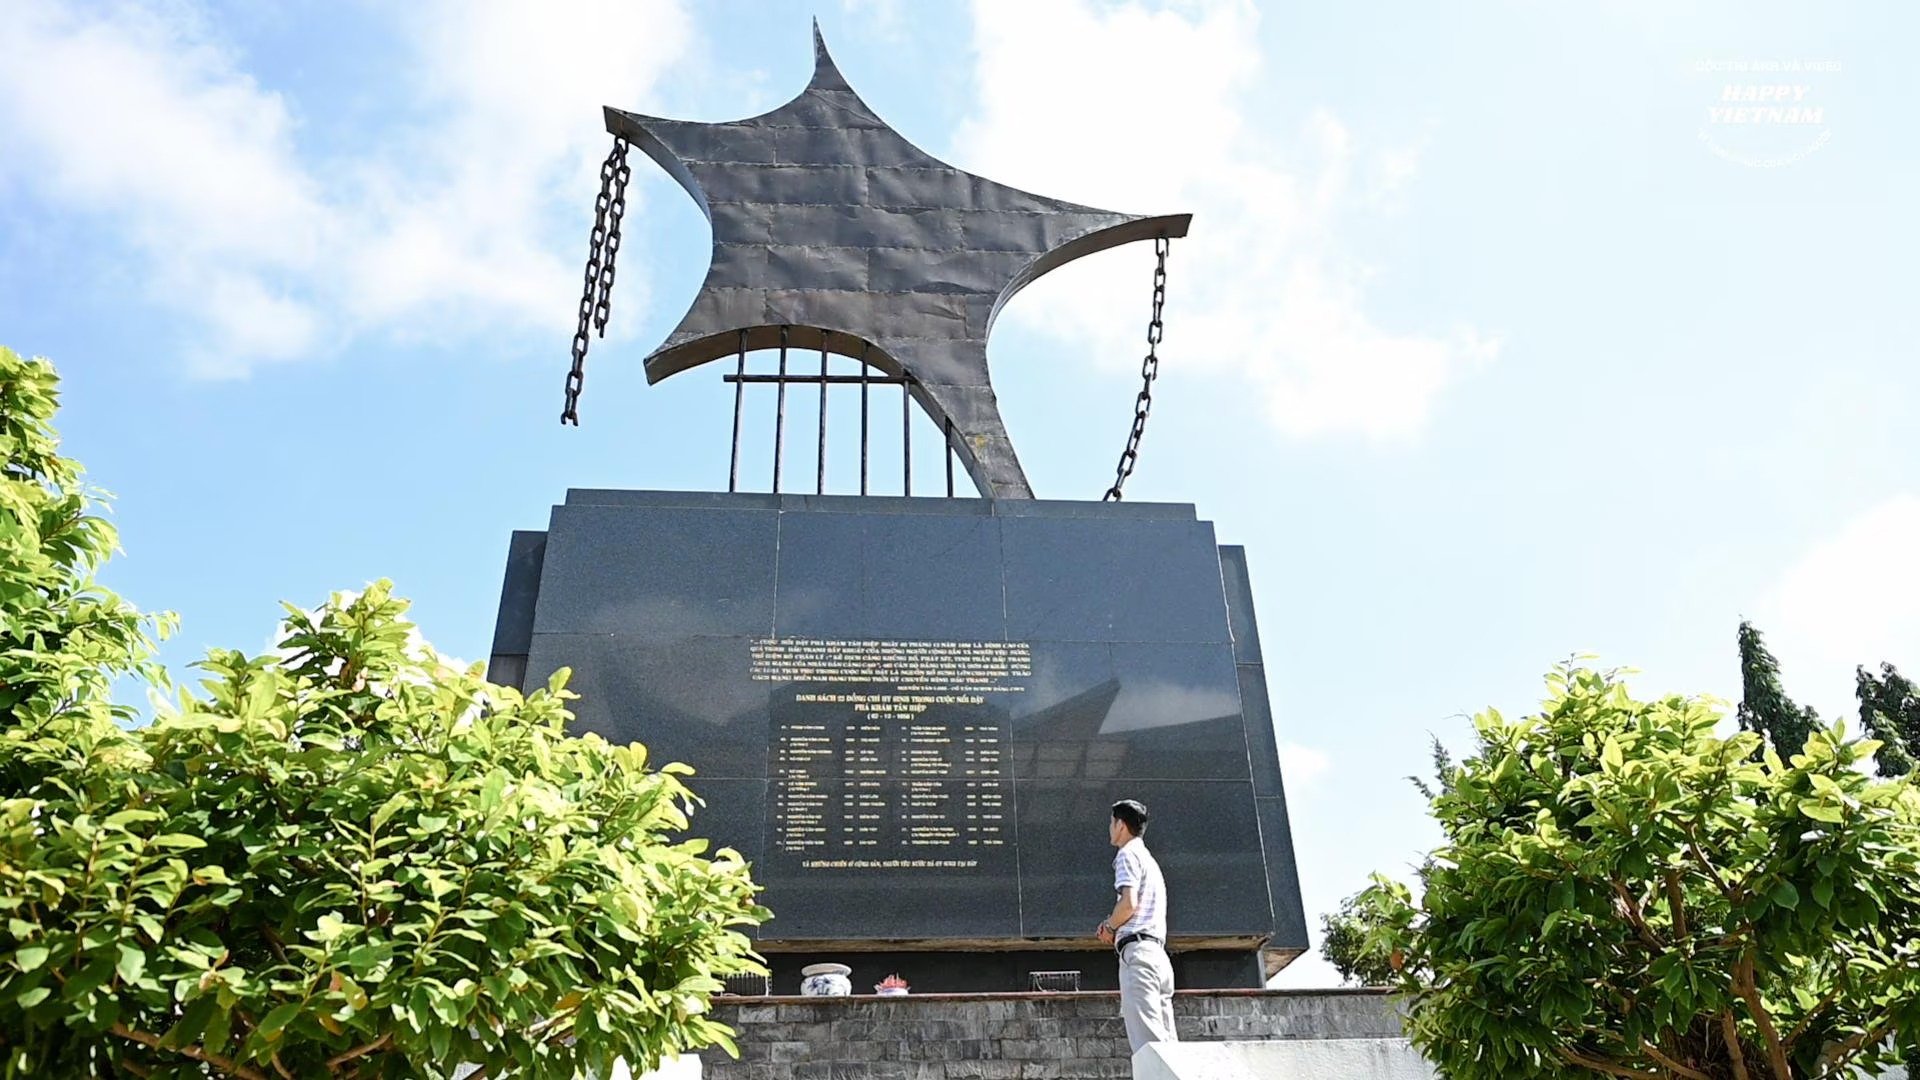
1282 1059
1064 1036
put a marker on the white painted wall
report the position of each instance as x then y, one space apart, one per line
1298 1059
1282 1059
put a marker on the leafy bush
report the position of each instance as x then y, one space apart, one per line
1623 892
345 858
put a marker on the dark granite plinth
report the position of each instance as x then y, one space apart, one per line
911 715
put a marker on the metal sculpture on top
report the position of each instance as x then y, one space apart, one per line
832 232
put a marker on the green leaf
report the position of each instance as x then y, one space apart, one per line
219 1027
1820 811
400 800
1785 895
1611 757
275 1022
132 963
29 957
492 790
329 929
90 978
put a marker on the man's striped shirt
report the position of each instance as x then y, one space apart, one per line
1133 865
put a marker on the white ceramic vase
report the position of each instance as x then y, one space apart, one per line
826 980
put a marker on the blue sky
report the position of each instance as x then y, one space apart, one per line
1491 343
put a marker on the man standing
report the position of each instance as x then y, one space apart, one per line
1137 930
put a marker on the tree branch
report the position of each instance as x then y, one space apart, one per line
380 1043
1606 1067
1806 1021
1671 1065
273 942
1631 909
1838 1057
1675 904
563 1016
1730 1033
153 1042
1743 985
1706 864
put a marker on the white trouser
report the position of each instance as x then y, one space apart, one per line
1146 994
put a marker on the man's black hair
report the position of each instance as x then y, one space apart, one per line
1130 813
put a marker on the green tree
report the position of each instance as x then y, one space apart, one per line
1622 892
1890 711
64 639
1764 707
1346 942
345 858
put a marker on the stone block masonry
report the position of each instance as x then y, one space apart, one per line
1010 1036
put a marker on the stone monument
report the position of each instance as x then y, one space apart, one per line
911 714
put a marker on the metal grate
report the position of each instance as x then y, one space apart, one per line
747 985
867 379
1054 982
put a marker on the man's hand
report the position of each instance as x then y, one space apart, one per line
1104 933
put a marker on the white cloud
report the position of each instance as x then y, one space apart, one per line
460 211
138 120
1151 110
1301 765
1852 599
468 216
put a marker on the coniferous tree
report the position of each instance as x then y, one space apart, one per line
1764 707
1890 711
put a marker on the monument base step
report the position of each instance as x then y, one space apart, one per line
1066 1036
1282 1059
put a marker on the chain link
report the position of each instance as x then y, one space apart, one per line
1149 371
603 247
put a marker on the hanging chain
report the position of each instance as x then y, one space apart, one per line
603 247
1149 371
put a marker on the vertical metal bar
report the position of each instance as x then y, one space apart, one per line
820 481
864 374
780 417
739 393
947 430
906 433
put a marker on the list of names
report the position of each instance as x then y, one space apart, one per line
891 754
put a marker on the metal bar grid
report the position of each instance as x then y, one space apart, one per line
866 380
866 376
820 459
739 395
780 417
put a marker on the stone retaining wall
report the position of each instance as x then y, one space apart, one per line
1009 1036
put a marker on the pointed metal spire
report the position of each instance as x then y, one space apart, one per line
826 76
